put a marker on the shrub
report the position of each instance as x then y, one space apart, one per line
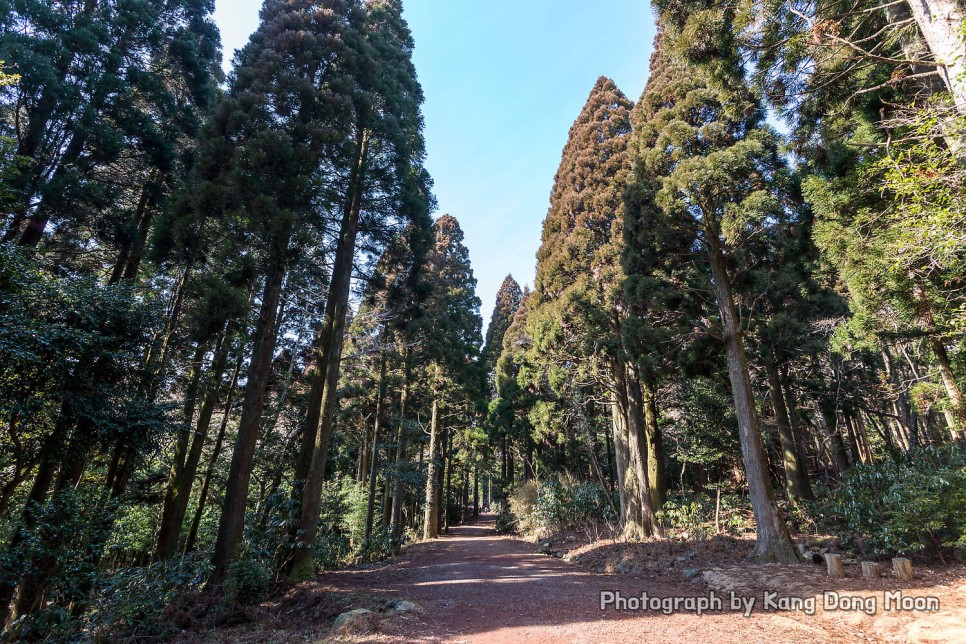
130 603
249 581
695 515
554 505
916 503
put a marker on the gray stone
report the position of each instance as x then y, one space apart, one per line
358 619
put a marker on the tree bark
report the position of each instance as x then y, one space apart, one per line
656 467
796 485
431 512
320 413
940 22
773 543
232 524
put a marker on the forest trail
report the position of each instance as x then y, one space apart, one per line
476 586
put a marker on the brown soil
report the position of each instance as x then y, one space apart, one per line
476 586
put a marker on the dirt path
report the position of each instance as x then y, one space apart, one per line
475 586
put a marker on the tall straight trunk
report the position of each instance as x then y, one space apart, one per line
447 473
465 495
327 359
431 511
476 490
798 430
773 543
179 486
956 401
189 544
504 449
627 481
395 520
940 22
796 483
857 455
863 437
637 443
656 467
373 465
828 418
232 524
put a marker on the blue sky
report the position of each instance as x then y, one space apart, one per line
504 80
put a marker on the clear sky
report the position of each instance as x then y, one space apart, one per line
504 80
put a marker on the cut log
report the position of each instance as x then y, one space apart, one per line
835 568
871 570
903 569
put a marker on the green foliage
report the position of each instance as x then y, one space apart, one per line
560 505
249 581
916 503
706 430
696 515
131 602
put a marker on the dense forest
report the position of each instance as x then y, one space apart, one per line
237 349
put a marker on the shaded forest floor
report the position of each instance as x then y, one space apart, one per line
476 586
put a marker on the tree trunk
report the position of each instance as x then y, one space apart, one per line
397 492
373 469
232 524
656 467
431 513
179 487
320 411
212 462
940 22
637 444
773 543
796 485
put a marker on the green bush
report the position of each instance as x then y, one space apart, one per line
695 515
130 604
249 581
916 503
554 505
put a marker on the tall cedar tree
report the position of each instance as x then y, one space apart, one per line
713 167
507 303
453 315
508 300
506 419
386 152
578 302
284 118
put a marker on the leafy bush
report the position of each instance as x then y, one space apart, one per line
249 581
695 515
130 604
537 506
913 504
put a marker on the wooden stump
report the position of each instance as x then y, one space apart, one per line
871 570
903 569
835 568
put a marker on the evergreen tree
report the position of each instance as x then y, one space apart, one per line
507 303
283 120
578 307
384 153
108 92
716 177
453 316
